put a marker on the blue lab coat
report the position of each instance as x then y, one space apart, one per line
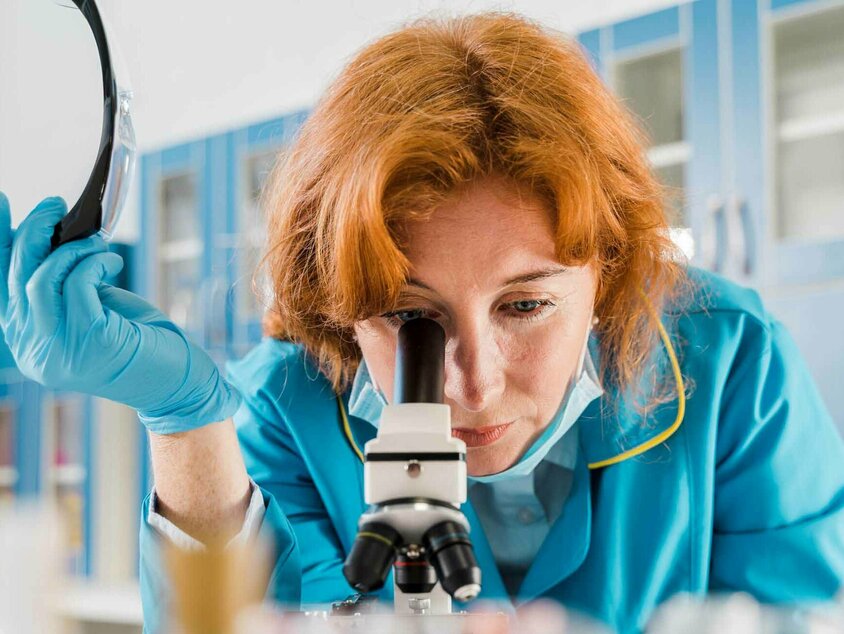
747 493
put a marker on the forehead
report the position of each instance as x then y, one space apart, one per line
488 227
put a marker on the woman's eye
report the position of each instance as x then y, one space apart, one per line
526 309
526 305
399 317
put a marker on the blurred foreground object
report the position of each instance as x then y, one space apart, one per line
211 587
486 618
30 538
740 613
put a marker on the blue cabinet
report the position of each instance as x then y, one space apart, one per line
744 103
802 77
67 471
254 151
175 256
45 453
46 448
20 432
202 232
18 435
663 67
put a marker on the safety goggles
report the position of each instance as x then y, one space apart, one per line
98 208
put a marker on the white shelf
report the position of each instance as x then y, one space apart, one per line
799 129
92 602
179 250
8 476
255 239
68 474
669 154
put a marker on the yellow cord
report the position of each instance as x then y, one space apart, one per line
635 451
348 430
681 400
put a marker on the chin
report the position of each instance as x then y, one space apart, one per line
482 462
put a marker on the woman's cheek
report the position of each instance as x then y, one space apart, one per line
534 349
540 365
378 346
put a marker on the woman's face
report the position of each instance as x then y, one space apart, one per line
516 321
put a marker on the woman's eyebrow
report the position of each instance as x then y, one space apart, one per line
540 274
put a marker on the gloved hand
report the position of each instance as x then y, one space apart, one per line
68 330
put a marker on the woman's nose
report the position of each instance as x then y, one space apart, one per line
474 377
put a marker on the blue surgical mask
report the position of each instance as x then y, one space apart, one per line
367 401
580 392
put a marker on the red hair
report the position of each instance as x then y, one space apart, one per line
426 109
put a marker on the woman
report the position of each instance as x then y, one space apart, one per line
635 427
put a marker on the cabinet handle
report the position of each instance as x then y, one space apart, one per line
713 238
741 223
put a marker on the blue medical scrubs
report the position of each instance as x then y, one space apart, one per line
746 493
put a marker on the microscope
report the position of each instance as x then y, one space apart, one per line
415 482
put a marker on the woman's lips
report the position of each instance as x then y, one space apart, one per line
480 436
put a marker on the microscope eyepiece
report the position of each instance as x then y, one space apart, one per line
420 362
450 552
372 554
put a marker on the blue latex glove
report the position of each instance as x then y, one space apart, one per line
68 330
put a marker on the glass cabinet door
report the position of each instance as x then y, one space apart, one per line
19 457
648 61
168 270
179 250
803 89
651 85
251 301
670 68
806 94
66 462
255 150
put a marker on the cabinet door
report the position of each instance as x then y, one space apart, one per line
803 85
9 436
24 397
254 152
662 66
172 200
66 462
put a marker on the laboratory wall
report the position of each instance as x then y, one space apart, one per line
198 67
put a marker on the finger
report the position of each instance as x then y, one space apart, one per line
131 306
44 288
31 244
81 300
5 254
